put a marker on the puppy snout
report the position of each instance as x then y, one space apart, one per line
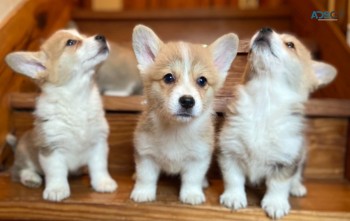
265 30
100 38
187 101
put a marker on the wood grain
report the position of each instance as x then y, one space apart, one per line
326 143
205 25
314 107
331 42
325 201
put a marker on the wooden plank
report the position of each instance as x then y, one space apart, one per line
205 25
331 42
314 107
277 13
326 143
347 155
325 201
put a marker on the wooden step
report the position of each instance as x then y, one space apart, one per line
326 200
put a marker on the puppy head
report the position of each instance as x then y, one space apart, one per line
64 56
181 79
285 58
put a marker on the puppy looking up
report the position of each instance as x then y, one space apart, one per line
70 129
262 138
175 134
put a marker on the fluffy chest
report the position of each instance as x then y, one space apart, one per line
266 129
173 149
72 125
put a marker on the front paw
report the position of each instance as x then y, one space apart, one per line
234 199
275 207
106 185
193 197
56 193
143 193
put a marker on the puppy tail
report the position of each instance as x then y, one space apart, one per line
12 141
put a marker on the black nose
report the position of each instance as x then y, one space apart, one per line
186 101
100 38
265 30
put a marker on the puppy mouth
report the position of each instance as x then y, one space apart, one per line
184 115
262 41
104 49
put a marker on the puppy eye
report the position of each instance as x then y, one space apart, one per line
202 81
290 45
169 78
71 42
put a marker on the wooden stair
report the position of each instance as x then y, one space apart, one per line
327 172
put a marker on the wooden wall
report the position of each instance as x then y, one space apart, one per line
25 30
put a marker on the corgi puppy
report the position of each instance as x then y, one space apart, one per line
118 75
70 130
262 137
175 134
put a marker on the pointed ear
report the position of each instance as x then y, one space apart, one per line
224 50
325 73
146 45
26 63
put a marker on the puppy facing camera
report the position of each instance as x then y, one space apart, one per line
262 137
70 130
175 133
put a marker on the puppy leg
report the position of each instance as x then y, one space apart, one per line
275 202
297 188
101 181
192 178
147 172
30 178
234 196
56 173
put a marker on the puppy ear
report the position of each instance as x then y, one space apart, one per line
27 63
224 50
325 73
146 45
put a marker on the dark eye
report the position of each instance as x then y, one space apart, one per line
168 78
202 81
71 42
290 45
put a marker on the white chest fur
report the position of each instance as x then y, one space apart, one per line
173 148
265 130
71 123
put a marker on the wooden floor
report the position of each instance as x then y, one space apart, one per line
326 200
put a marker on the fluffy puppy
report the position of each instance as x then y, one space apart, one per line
175 134
70 129
262 138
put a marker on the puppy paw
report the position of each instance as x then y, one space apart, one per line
234 200
56 193
143 194
31 179
106 185
193 197
275 207
298 190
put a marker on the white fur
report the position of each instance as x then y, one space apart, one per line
266 126
176 151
